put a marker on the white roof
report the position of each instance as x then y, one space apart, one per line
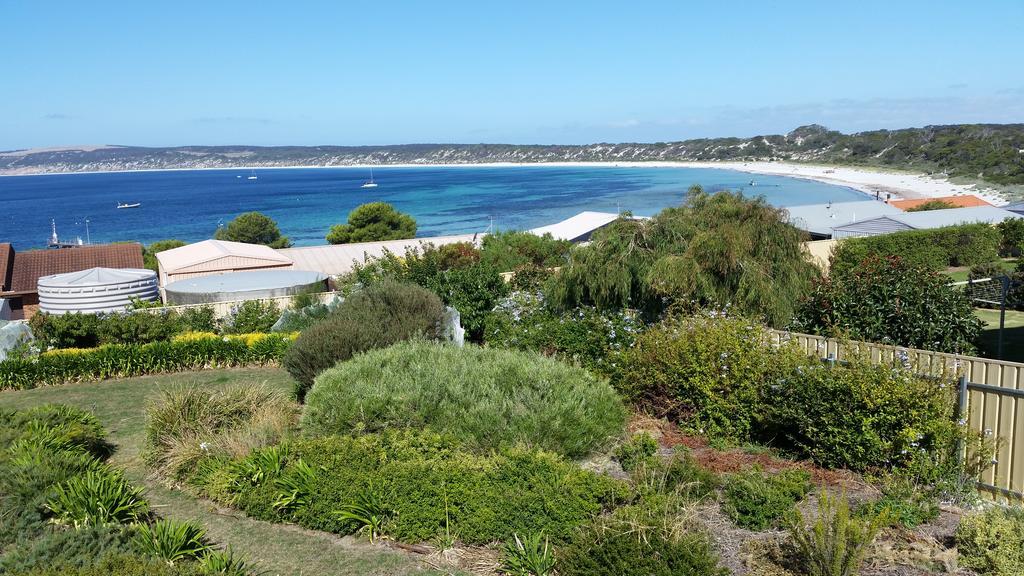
97 277
335 259
822 218
949 217
577 227
211 250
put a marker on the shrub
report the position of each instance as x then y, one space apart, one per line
189 424
891 301
716 250
377 316
137 327
992 542
652 538
253 228
171 541
931 205
935 249
490 398
1011 232
708 371
863 416
253 316
126 360
636 451
758 501
434 488
120 564
530 555
96 498
226 563
678 475
903 505
373 222
586 336
507 251
836 542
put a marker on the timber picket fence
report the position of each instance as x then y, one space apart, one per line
991 395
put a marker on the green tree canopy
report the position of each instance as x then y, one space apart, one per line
932 205
253 228
889 300
373 222
715 250
149 252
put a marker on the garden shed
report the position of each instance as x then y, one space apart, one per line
213 257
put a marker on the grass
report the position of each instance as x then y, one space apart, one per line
274 548
959 274
1013 336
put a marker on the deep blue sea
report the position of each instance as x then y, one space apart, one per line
189 205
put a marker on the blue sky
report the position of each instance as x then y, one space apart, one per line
354 72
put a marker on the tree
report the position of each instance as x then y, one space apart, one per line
932 205
1012 232
149 252
891 301
253 228
715 250
373 222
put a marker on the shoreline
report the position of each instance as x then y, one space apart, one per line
891 183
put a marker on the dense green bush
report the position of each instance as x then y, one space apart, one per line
651 538
1011 231
992 542
252 316
586 336
122 564
377 316
507 251
187 352
715 250
433 486
373 222
862 416
489 398
708 371
936 249
891 301
636 451
758 501
140 327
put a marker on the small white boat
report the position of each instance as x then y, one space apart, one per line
371 183
252 176
134 205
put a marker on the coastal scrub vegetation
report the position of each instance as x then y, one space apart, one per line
890 300
937 249
149 252
514 249
931 205
375 317
489 398
373 222
253 228
715 250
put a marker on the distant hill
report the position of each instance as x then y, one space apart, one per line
991 152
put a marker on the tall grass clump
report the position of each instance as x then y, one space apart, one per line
487 397
188 424
374 317
836 542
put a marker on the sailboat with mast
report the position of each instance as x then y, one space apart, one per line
370 183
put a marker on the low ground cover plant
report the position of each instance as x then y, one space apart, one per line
758 501
375 317
489 398
425 485
992 542
187 425
190 351
637 451
65 510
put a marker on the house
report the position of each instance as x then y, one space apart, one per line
923 221
211 257
578 228
338 259
818 220
20 271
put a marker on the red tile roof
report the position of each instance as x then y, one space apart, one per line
965 201
29 266
6 263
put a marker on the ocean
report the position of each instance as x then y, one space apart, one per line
306 202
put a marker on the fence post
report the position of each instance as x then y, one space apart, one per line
961 415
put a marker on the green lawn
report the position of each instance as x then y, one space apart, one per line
1013 336
276 548
960 274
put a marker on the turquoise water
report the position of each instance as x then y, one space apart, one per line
189 204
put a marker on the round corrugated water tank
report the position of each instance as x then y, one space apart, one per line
96 290
251 285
